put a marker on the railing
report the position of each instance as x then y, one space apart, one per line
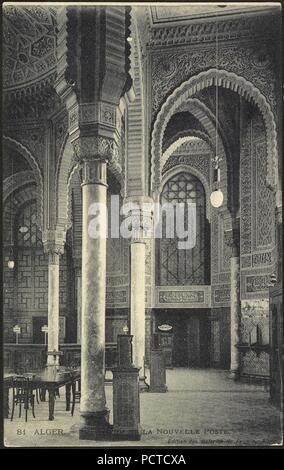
21 358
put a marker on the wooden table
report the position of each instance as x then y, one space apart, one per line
51 378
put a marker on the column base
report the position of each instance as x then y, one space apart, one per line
143 386
234 375
96 426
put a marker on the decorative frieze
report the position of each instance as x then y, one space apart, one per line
93 113
114 281
262 258
203 32
181 297
115 297
178 297
257 283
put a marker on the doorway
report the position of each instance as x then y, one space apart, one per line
38 335
190 336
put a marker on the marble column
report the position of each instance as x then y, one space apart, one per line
78 287
93 403
142 232
53 307
137 308
235 313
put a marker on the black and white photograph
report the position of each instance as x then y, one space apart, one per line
142 226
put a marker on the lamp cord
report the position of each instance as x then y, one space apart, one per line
12 195
216 95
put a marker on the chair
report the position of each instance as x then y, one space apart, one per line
22 394
76 393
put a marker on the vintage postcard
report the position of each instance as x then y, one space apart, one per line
142 226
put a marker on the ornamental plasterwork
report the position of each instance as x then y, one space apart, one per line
33 162
88 148
202 81
29 39
195 153
201 33
170 69
15 181
174 297
32 137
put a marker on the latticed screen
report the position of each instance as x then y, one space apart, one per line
188 266
28 233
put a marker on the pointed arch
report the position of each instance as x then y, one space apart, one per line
13 144
199 82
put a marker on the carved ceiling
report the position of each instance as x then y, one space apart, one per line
165 15
179 123
29 44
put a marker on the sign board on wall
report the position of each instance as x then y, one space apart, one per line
165 327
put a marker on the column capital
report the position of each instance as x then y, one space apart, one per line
53 244
141 209
91 148
94 171
278 213
278 199
53 252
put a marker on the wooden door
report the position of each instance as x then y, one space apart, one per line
180 340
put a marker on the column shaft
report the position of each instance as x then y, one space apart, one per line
138 304
53 308
93 296
235 315
78 280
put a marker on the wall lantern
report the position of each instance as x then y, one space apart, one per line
11 264
216 197
11 261
23 229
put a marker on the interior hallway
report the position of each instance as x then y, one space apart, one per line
210 408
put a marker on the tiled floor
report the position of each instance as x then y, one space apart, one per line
201 408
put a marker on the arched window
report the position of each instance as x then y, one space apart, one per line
26 286
28 233
191 266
